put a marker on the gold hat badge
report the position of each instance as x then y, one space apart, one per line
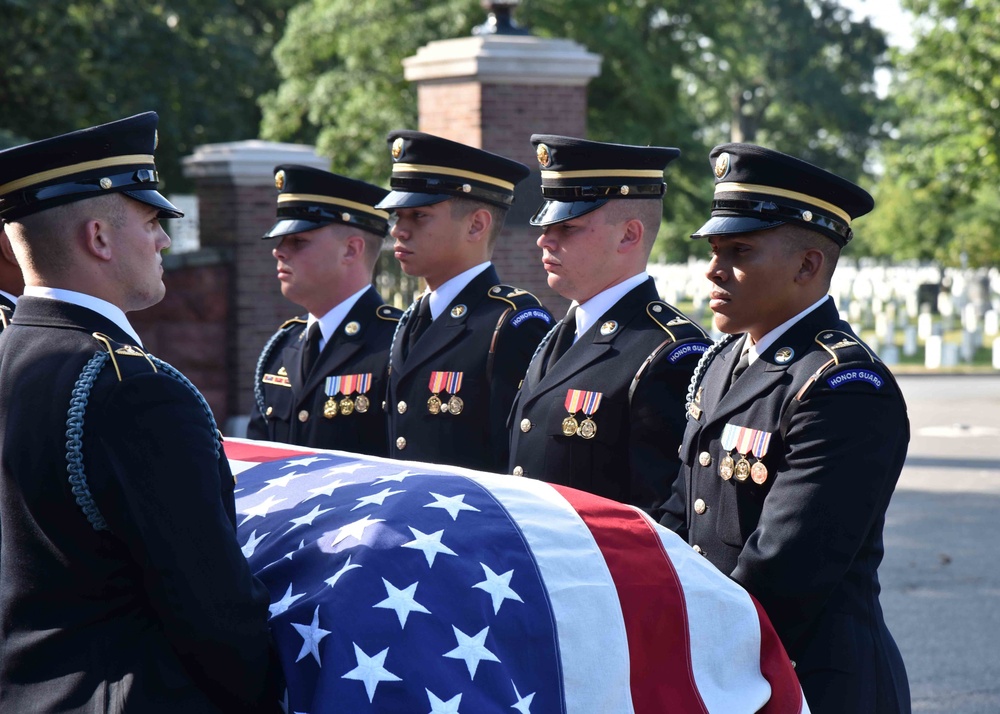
397 147
543 155
722 165
279 180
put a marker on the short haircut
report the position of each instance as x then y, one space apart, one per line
649 211
801 238
41 239
461 207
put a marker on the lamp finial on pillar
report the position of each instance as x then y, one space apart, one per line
499 21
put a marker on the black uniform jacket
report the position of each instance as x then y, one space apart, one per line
488 333
295 408
639 356
806 542
122 584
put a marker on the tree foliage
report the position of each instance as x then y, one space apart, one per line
937 196
199 63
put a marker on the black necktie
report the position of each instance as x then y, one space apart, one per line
421 321
310 351
740 368
563 339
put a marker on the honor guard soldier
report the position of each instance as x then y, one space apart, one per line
122 584
602 406
321 378
796 431
461 349
11 281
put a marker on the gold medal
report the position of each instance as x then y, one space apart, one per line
742 470
434 404
726 467
346 406
361 404
569 426
455 404
758 472
588 429
330 408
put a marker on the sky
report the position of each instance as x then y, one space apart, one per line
886 15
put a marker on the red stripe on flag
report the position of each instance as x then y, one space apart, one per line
786 694
252 451
657 629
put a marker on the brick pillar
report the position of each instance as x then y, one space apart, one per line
236 202
494 92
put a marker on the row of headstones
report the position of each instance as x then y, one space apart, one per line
919 303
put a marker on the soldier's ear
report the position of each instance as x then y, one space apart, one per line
633 231
810 266
480 221
96 239
354 247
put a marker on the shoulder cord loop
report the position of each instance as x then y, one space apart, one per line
699 371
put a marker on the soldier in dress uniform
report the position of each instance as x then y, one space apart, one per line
11 280
321 378
796 431
461 349
602 406
122 584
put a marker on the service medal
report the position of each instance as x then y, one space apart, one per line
569 426
455 405
588 429
434 404
330 408
588 402
361 404
346 406
742 471
758 472
726 467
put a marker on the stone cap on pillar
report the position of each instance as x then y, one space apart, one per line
504 59
249 163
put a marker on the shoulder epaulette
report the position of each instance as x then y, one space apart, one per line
388 312
674 322
842 348
116 350
515 297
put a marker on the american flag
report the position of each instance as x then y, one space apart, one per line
422 589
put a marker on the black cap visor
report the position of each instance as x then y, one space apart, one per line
732 225
290 226
558 211
407 199
153 198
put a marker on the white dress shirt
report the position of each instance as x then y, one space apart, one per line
329 322
449 290
590 312
771 337
101 307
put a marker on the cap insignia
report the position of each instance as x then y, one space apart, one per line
352 327
722 165
106 183
156 139
279 180
544 157
784 354
397 147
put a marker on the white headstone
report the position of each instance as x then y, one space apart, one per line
932 355
996 353
949 354
910 341
925 326
991 322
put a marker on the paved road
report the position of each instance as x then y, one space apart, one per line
941 574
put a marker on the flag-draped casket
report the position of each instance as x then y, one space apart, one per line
425 589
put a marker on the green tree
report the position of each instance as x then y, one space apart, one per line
201 64
937 195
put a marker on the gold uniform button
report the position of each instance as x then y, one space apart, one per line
401 443
705 458
700 507
526 425
269 412
401 407
696 549
303 416
518 471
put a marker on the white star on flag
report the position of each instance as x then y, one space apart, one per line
452 504
261 508
402 601
378 498
331 581
307 519
371 671
392 477
326 490
429 543
498 586
311 636
441 707
285 602
251 545
289 554
282 481
356 529
471 649
523 704
344 469
305 461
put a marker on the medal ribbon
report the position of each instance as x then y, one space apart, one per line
744 438
454 382
333 385
574 400
364 382
729 434
437 381
349 384
761 440
593 401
